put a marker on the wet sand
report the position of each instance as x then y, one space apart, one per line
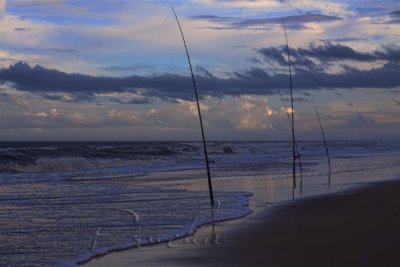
355 228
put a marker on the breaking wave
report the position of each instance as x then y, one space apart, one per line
64 164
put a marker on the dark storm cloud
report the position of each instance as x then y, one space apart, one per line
204 72
276 54
39 79
279 55
394 17
169 87
331 52
384 77
326 52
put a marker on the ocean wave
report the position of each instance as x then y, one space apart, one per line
63 164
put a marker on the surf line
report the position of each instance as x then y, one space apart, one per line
292 111
210 189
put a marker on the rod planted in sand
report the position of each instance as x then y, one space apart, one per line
199 112
291 103
295 143
325 143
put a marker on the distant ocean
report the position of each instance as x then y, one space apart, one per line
65 202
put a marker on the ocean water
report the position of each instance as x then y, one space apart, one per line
64 202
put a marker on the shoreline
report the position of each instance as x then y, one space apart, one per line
326 230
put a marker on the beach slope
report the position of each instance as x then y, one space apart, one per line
360 228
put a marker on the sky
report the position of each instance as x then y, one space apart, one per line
116 70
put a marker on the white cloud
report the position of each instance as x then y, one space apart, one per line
235 113
241 113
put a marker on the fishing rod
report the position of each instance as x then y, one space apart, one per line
325 143
291 102
199 112
295 142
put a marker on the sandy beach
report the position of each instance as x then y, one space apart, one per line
357 227
354 229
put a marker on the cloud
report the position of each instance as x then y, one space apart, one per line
214 18
326 53
204 72
59 50
68 97
234 113
18 29
168 87
331 52
372 7
134 101
41 80
387 18
242 113
294 22
394 17
291 21
262 6
136 67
